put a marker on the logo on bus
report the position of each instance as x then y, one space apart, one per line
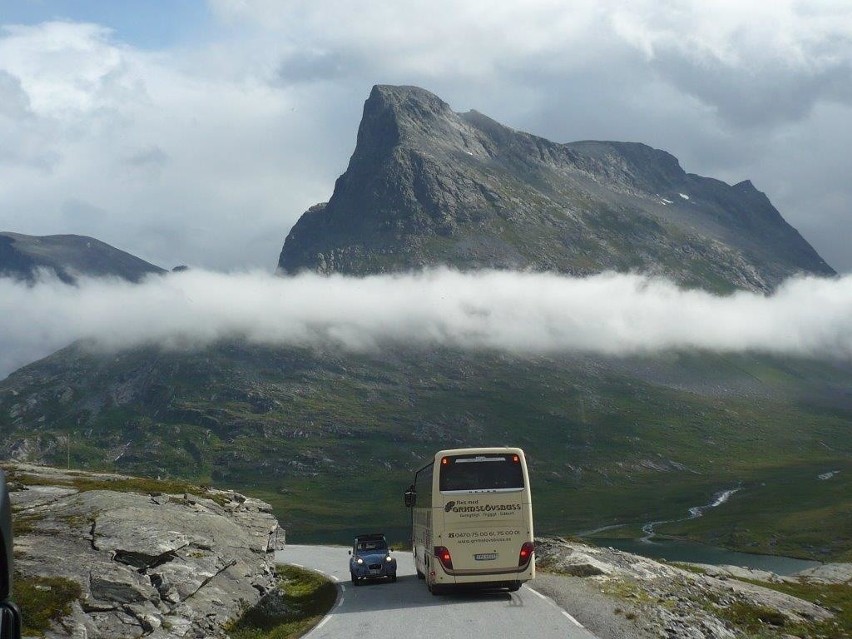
451 507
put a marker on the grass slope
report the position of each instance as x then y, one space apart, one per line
331 439
303 598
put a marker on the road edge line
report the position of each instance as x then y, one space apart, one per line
558 607
338 586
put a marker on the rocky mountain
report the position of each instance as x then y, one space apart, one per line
610 441
68 257
129 558
429 186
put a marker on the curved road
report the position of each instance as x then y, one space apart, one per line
406 609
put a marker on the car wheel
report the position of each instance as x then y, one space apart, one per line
393 578
420 575
354 579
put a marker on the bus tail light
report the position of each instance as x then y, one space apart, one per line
526 554
444 557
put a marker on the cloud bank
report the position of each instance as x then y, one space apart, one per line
610 314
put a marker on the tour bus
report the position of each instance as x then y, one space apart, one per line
471 519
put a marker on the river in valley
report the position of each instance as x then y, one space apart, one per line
675 550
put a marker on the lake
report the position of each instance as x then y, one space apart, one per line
687 551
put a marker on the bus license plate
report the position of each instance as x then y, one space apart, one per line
486 556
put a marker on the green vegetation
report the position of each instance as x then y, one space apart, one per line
751 618
786 510
763 622
43 600
304 598
836 598
627 589
300 428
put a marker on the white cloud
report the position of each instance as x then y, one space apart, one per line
206 153
777 47
516 312
188 165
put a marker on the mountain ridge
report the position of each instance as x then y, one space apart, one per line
427 186
68 257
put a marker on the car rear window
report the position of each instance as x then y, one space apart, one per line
481 472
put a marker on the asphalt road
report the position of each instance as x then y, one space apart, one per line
407 609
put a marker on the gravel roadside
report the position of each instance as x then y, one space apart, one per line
605 616
617 595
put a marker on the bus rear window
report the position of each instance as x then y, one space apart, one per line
481 472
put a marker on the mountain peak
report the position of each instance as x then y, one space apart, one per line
404 96
427 186
399 114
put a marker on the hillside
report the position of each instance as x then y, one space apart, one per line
68 257
611 441
426 186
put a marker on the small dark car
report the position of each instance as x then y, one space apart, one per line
370 559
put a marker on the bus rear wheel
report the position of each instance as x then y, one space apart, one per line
515 586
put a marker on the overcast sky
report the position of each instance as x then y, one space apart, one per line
193 132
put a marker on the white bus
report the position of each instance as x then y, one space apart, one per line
471 519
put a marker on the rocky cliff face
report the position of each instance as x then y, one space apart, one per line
146 562
68 256
428 186
654 599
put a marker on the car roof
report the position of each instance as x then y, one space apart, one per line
370 537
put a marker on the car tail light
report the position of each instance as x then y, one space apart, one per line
526 553
444 557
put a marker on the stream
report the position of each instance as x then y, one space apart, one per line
693 552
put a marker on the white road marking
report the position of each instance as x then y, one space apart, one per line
557 606
297 565
537 593
321 624
335 578
574 621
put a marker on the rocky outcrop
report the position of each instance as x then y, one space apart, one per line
427 186
147 563
684 602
